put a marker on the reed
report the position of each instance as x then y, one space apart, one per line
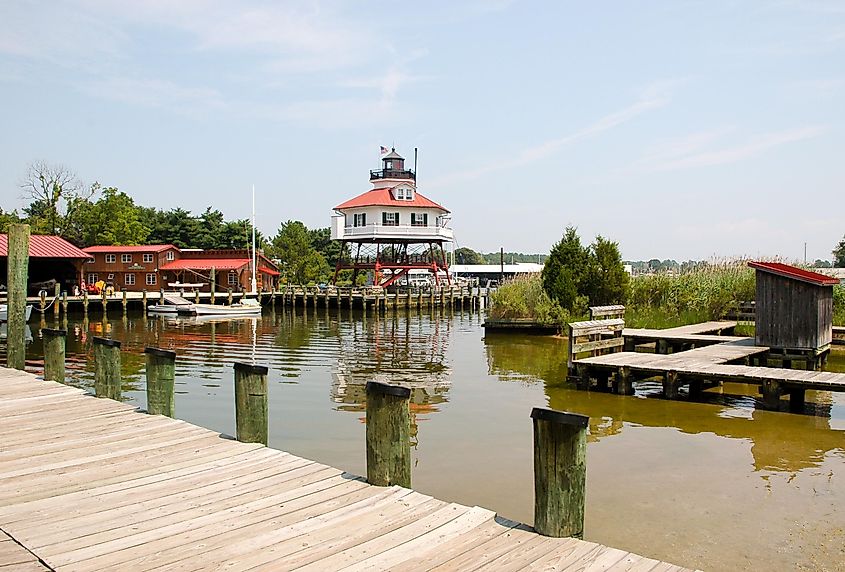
523 298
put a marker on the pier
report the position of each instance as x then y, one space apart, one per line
366 299
94 484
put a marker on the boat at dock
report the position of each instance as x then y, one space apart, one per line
170 304
246 307
4 312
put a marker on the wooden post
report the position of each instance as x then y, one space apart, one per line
144 301
107 368
560 471
105 302
796 400
64 303
161 366
85 302
771 391
251 403
230 297
57 292
670 385
42 304
54 354
17 272
124 301
388 435
212 277
196 296
624 382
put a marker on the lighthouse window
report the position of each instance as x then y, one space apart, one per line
359 219
419 219
390 219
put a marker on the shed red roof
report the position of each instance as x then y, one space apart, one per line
384 198
132 248
46 246
795 273
206 264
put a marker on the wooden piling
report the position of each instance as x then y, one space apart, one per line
124 301
85 302
670 385
196 296
42 303
212 280
54 354
560 471
57 292
624 381
388 435
64 303
251 403
107 368
17 272
229 300
771 391
161 370
144 301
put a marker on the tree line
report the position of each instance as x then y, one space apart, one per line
59 204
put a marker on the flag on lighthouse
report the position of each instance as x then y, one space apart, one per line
384 150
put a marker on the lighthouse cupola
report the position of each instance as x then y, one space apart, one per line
393 167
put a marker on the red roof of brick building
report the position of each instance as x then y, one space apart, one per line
795 273
45 246
133 248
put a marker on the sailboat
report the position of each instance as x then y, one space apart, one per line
247 306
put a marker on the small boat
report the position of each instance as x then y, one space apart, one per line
246 307
171 304
4 310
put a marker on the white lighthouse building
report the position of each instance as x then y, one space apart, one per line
392 229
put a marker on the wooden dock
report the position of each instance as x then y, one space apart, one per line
682 337
838 335
92 484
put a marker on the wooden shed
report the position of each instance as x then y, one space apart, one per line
794 309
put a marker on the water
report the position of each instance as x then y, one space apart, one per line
720 485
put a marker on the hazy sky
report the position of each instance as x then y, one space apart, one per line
681 129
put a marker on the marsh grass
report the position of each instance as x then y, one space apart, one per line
523 298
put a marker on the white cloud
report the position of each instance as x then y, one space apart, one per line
690 151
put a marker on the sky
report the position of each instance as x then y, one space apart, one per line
680 129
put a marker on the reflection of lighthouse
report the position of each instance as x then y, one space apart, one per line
392 229
411 354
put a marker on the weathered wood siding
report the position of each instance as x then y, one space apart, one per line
792 314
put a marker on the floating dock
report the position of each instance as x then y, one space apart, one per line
92 484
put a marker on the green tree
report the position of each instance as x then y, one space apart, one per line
567 270
608 281
55 192
113 219
839 254
301 263
7 218
465 255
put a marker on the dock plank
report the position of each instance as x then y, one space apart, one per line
92 484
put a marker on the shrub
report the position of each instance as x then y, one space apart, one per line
524 298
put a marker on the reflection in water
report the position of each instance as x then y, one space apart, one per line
710 473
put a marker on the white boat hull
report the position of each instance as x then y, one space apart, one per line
4 311
216 310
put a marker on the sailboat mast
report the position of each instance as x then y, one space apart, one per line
254 283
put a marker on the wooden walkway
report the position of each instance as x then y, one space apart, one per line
90 484
682 337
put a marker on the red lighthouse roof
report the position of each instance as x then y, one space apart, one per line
795 273
384 198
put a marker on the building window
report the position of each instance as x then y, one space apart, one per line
400 194
92 278
359 219
390 219
233 279
126 258
388 164
148 258
110 276
151 278
170 255
419 219
129 279
404 194
111 258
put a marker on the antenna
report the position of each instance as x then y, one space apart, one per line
416 177
254 283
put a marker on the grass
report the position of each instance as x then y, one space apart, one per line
523 298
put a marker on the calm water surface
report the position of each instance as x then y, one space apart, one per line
719 485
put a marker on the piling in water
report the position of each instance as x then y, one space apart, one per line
161 370
107 368
16 274
388 435
54 354
251 403
560 470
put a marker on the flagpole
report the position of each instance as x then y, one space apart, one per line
254 283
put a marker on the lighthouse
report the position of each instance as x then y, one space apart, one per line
392 229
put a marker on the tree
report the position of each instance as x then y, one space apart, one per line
468 256
113 219
566 270
7 218
819 263
55 192
301 262
839 254
608 281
